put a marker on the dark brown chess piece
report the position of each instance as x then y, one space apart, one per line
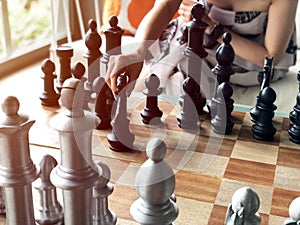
49 97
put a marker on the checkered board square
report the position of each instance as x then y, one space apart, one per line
208 167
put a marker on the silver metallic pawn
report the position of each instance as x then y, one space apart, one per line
48 211
17 170
243 209
155 184
77 172
102 189
294 211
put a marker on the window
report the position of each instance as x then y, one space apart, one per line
25 26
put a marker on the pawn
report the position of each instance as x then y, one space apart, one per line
151 110
155 184
225 56
48 211
243 208
188 117
78 71
222 122
120 138
294 130
263 128
49 97
294 212
101 190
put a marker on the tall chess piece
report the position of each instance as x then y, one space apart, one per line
93 54
243 208
221 105
102 189
49 97
113 36
188 117
155 184
195 52
48 211
263 128
120 138
293 113
17 171
294 212
77 173
294 130
105 98
267 74
151 113
225 56
64 53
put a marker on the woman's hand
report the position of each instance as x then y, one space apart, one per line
130 64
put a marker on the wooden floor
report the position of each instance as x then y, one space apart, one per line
208 168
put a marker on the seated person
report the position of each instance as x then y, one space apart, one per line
263 28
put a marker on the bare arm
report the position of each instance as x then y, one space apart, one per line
279 29
148 31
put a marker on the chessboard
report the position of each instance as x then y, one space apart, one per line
208 168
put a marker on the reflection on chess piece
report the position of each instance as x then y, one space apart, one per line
188 116
77 173
155 184
222 122
294 130
243 208
101 111
17 171
2 202
195 52
78 72
266 80
263 128
102 189
293 113
120 138
49 97
48 211
151 113
294 212
64 54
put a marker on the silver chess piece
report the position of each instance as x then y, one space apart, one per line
17 171
243 209
77 173
155 184
294 212
48 210
102 189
